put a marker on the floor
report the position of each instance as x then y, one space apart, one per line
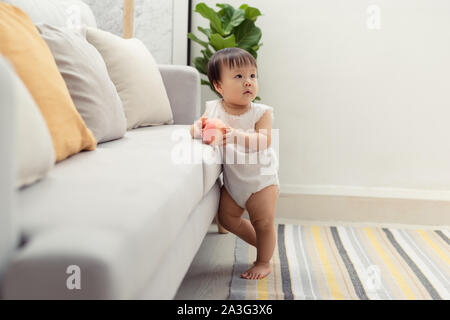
209 275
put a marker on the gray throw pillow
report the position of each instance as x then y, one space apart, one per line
87 79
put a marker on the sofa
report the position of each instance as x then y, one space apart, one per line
121 222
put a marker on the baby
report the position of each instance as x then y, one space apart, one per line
247 127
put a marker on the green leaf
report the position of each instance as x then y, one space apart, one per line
218 42
257 98
253 53
226 12
206 32
230 17
200 64
194 38
250 12
247 35
211 15
256 48
237 18
206 53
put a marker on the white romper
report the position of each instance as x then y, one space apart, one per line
255 170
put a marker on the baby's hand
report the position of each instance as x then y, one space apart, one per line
198 127
214 132
203 120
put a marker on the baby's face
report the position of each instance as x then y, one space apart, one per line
238 85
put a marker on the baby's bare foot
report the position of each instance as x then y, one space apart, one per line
259 271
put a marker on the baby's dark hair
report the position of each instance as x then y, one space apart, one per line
231 57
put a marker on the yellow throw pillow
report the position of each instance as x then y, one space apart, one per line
22 45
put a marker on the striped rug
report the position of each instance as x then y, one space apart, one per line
341 262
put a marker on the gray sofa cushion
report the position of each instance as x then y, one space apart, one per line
183 89
83 70
128 194
98 264
212 167
117 185
8 227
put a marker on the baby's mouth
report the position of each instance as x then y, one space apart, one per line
247 92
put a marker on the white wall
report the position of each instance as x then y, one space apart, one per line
180 31
153 23
160 24
360 111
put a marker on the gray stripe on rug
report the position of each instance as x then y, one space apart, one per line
359 289
238 284
419 251
431 290
359 245
284 265
443 236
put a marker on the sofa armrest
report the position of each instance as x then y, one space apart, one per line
7 166
183 88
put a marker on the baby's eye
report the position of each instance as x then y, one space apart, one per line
238 76
253 75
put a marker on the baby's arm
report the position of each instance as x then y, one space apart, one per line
257 141
196 128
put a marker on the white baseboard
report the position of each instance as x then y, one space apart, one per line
393 193
364 205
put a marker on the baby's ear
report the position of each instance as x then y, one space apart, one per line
218 87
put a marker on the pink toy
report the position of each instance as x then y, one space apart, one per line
213 131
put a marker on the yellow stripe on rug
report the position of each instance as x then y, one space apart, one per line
394 271
331 277
434 246
262 289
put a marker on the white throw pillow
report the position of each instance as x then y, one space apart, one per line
35 154
136 76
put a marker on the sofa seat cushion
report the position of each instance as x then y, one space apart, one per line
129 187
212 167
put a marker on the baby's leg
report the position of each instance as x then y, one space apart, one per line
230 216
220 227
261 209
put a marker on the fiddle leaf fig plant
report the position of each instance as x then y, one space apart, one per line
228 27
